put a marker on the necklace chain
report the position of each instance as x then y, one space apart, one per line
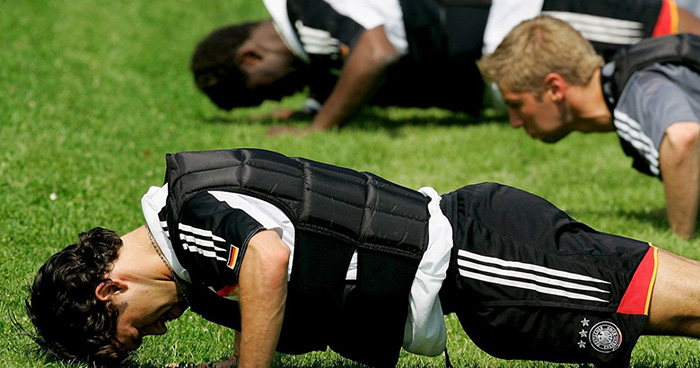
180 288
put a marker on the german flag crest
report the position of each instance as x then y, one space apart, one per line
232 256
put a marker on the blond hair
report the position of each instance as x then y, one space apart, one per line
537 47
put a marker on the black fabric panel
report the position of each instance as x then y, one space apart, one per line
190 172
514 323
214 308
453 84
324 207
466 24
316 197
381 293
384 220
315 293
445 39
535 223
424 30
503 222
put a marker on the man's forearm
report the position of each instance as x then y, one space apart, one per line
263 292
682 207
679 158
237 345
363 71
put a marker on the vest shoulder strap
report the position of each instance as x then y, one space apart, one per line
682 49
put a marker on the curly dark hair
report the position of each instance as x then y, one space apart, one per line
69 321
218 73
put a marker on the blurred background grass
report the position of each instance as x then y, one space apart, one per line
94 93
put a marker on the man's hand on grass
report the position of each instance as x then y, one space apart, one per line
286 115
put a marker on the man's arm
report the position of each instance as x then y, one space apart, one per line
263 291
679 158
362 73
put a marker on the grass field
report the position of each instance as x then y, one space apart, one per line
93 94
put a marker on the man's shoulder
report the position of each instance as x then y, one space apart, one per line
665 74
653 99
657 84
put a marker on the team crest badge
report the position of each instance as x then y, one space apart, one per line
605 337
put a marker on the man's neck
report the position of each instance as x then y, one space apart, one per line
269 39
138 257
139 270
590 112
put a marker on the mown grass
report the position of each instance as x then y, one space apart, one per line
93 94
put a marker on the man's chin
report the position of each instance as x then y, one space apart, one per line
175 311
551 138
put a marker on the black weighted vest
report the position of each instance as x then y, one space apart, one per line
682 49
335 212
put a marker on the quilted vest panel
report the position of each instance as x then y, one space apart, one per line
336 212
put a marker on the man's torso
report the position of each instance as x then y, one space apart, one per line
652 100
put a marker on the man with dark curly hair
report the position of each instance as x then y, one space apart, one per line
300 256
418 53
62 306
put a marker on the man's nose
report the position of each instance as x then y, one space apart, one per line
515 120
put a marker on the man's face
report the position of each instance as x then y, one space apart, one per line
276 76
542 118
268 69
143 315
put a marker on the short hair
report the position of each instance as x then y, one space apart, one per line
70 322
537 47
217 71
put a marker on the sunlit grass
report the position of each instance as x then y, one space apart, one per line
93 94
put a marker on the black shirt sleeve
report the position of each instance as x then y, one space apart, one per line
326 35
215 236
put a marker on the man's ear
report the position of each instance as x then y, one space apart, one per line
106 289
248 54
555 86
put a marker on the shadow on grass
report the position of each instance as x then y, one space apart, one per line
319 364
372 118
277 363
690 362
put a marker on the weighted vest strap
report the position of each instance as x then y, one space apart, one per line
682 49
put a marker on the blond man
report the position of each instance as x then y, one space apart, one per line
553 84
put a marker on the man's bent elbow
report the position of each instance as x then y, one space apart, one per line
381 52
273 250
683 140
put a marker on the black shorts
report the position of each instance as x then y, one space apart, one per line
528 282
